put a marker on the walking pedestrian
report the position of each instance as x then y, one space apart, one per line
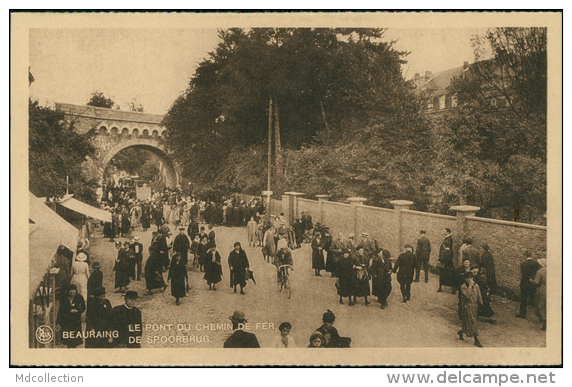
361 276
422 255
485 309
528 271
540 282
332 338
154 271
345 282
445 265
240 338
68 320
137 249
470 300
98 310
80 274
213 269
405 269
380 270
126 320
317 254
238 265
178 278
488 263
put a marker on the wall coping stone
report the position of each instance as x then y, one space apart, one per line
507 223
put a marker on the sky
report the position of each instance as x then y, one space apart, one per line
154 66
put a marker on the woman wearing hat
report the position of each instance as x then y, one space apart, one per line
284 340
331 337
488 263
213 268
380 270
318 254
361 276
98 309
122 268
238 265
446 270
68 320
80 274
178 275
540 301
485 309
154 270
344 270
470 300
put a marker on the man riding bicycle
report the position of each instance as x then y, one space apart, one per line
282 257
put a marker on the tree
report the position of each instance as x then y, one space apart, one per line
135 106
493 148
57 151
323 83
99 100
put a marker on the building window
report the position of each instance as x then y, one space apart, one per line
453 101
493 102
442 102
430 105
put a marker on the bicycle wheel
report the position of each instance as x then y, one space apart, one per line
288 286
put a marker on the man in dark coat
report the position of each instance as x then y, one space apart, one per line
448 240
240 338
298 228
238 265
137 248
95 279
181 245
405 269
422 255
308 225
98 309
126 320
193 229
528 271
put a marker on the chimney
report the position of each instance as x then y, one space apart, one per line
428 74
465 65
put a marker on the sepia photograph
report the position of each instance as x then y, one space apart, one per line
385 186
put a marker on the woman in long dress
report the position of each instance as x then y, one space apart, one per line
488 263
69 317
344 270
178 277
380 270
269 244
470 300
318 254
447 270
361 276
80 274
485 309
540 301
154 270
213 268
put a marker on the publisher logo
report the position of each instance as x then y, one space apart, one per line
44 334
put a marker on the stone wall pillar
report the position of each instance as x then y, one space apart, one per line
290 206
321 200
355 202
398 206
462 228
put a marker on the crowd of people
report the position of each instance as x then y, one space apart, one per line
361 268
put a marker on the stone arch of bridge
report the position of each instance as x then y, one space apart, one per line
152 145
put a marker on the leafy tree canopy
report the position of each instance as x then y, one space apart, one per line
57 150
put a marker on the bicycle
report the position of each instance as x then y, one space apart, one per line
284 282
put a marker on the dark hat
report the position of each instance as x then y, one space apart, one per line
448 230
386 254
423 232
468 275
329 317
285 325
408 246
238 316
469 240
181 228
486 247
345 251
96 265
99 291
131 294
527 253
72 287
236 244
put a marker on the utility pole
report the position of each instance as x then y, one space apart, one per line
269 144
